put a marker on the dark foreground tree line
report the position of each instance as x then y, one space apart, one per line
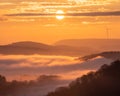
104 82
27 88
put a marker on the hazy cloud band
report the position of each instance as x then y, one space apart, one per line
113 13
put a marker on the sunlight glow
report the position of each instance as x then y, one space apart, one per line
78 1
60 14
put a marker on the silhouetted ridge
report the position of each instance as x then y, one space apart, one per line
104 82
80 42
28 44
74 49
94 45
29 47
114 55
29 88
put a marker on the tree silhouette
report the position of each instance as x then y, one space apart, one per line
104 82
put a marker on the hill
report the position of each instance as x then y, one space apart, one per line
25 47
28 48
30 44
77 47
95 45
104 82
114 55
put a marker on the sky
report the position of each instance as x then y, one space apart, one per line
48 21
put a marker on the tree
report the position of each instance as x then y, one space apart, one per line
104 82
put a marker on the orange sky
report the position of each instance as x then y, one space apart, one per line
18 20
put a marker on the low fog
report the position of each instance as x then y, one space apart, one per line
42 73
24 67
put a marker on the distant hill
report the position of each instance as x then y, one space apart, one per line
104 82
28 47
75 47
96 45
114 55
30 44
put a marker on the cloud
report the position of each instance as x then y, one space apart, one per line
12 65
113 13
10 62
34 0
49 6
30 10
2 19
102 22
5 4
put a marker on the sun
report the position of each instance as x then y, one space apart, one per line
60 14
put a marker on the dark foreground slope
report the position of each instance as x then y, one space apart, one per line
104 82
42 85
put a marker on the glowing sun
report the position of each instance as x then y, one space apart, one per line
60 14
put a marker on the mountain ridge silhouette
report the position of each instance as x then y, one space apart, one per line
76 47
